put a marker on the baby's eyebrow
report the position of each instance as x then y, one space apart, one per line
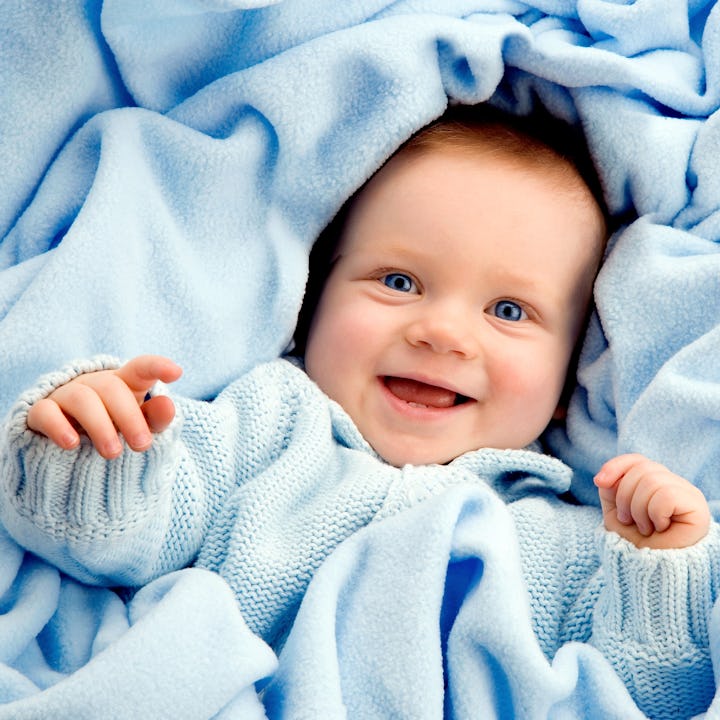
401 252
529 282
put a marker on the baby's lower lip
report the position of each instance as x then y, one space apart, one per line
422 395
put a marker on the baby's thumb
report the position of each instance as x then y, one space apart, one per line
159 412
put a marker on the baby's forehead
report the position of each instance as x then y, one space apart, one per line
555 178
534 143
486 150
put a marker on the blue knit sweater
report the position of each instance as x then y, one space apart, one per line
264 482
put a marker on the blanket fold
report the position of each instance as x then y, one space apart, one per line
178 649
436 589
168 166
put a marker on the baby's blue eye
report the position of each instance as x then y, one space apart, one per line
509 310
399 281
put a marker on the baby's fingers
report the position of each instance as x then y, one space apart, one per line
123 412
680 504
159 412
646 491
661 508
84 405
618 482
142 372
615 468
46 418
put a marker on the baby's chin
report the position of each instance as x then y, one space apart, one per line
422 454
417 455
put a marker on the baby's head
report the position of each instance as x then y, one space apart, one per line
457 290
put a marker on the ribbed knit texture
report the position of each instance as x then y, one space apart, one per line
264 482
645 588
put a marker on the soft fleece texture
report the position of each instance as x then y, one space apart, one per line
265 482
167 166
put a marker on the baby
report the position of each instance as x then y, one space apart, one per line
436 354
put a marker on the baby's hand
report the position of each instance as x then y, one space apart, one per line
106 402
650 506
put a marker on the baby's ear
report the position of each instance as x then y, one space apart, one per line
560 412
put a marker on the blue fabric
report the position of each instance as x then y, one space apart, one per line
454 631
73 652
167 166
265 482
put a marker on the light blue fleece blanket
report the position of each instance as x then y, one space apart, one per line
167 165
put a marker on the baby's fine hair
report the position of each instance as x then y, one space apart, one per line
536 141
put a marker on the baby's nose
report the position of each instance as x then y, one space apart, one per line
445 330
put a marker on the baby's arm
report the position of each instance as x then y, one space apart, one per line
106 402
98 515
652 507
230 485
661 569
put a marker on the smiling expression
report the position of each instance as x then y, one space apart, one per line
460 284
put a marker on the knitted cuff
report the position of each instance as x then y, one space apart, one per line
660 597
16 424
73 506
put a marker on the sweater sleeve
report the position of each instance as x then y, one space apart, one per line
71 507
259 485
128 520
652 618
647 611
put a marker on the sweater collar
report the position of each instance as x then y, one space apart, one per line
518 473
511 473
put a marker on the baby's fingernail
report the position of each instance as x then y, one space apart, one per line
141 440
70 441
113 448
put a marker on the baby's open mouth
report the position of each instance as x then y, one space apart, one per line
421 394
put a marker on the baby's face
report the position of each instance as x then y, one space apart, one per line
450 316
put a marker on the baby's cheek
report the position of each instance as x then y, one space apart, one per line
534 386
359 328
340 345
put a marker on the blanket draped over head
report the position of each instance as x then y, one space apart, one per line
167 165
